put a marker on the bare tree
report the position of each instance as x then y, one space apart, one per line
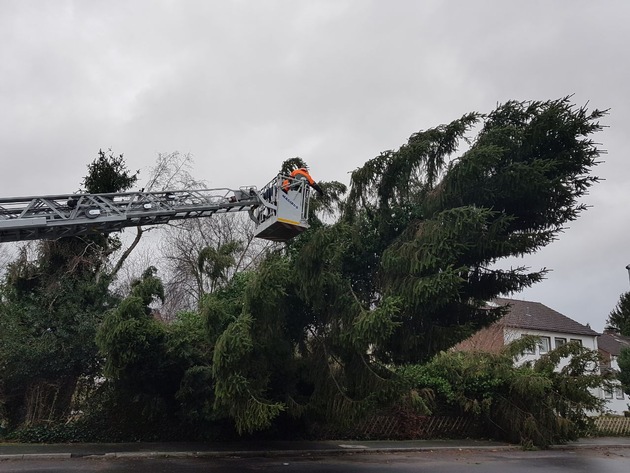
171 171
193 256
7 254
202 255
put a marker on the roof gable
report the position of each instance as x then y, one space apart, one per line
536 316
612 343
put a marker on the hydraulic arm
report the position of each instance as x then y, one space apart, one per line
278 214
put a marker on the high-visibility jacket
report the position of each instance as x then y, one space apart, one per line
300 173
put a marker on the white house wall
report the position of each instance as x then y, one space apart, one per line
620 402
513 333
617 405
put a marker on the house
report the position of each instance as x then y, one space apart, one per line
610 345
553 329
529 318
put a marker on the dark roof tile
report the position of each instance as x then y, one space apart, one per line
612 343
536 316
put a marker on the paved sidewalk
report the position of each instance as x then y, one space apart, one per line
253 449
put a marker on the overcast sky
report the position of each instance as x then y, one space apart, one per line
243 85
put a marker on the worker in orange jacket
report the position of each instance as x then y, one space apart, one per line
303 174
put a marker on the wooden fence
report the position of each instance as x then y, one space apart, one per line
381 427
404 426
612 425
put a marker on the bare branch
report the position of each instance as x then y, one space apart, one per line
127 252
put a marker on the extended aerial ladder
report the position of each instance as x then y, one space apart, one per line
279 210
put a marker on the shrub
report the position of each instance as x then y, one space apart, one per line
535 404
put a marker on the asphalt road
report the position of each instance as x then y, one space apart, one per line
599 460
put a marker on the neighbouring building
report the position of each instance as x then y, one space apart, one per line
610 345
533 318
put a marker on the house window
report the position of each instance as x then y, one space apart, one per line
618 392
560 341
529 351
544 344
577 340
608 393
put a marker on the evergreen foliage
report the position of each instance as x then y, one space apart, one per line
405 272
133 345
619 321
535 404
352 316
53 298
252 350
619 318
129 337
214 263
108 173
510 194
291 164
624 370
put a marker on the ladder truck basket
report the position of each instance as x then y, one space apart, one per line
283 213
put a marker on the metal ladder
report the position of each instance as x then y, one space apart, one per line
56 216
